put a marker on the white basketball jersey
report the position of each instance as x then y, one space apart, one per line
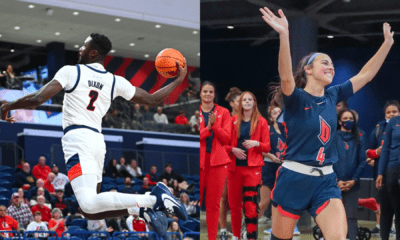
89 90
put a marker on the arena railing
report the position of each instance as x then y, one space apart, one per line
14 233
126 235
41 234
193 235
85 234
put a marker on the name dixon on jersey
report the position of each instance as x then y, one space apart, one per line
95 84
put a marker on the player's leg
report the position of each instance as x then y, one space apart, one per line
235 194
268 172
251 188
393 176
214 186
386 210
332 220
350 202
265 193
223 209
282 224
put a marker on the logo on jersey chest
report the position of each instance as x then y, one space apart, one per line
281 145
95 84
325 131
346 146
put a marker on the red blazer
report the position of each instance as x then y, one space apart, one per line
222 136
254 155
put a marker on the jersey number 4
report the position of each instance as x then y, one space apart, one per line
324 136
93 97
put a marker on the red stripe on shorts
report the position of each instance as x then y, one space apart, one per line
323 206
276 179
75 172
287 214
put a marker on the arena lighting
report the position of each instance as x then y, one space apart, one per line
230 27
118 20
12 50
157 26
38 41
131 44
31 6
1 35
112 51
16 27
330 36
57 33
146 55
75 13
76 46
195 32
198 54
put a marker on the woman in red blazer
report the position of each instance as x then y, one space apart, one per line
215 133
250 138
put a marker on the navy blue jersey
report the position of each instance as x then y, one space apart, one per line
209 140
351 158
390 155
244 135
277 140
311 123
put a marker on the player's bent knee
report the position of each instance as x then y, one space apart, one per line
276 238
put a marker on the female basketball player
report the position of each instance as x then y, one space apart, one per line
215 132
249 139
306 179
351 162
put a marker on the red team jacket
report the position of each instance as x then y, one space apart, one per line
254 155
222 135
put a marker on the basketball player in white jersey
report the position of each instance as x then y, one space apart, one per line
89 90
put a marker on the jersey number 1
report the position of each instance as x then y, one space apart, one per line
93 97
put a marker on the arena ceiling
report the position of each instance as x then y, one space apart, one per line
345 22
37 27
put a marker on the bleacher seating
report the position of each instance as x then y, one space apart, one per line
6 169
5 192
5 184
4 201
7 176
79 222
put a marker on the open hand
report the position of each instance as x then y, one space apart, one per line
211 119
387 33
280 25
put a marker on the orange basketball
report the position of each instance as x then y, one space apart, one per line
166 62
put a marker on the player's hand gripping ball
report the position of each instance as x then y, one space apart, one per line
166 62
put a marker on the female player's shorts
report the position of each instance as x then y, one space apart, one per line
268 172
84 152
310 190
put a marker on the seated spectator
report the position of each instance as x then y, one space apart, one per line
195 122
111 170
128 188
41 170
134 169
136 114
68 192
57 222
21 197
174 227
60 179
122 167
189 205
37 225
116 224
20 165
145 187
20 212
24 179
59 202
34 190
7 223
147 114
175 186
114 120
181 119
160 117
170 175
153 176
137 224
45 211
40 192
48 184
98 226
76 215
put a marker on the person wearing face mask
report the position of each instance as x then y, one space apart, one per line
391 109
249 140
350 147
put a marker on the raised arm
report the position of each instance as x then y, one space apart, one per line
281 25
31 100
372 67
144 98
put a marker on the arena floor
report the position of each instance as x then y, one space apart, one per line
306 233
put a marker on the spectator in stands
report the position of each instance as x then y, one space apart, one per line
21 197
38 225
147 115
11 81
152 176
169 174
116 224
111 170
68 192
181 119
175 186
57 222
137 115
48 184
160 117
60 203
114 120
98 226
145 187
174 227
40 192
136 224
122 168
134 169
24 179
195 122
34 191
20 165
60 179
76 215
19 211
341 106
41 170
45 211
189 205
7 223
128 188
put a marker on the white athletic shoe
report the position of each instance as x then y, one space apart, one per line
268 231
296 231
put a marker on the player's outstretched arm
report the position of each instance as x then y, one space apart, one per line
372 67
281 25
32 100
144 98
